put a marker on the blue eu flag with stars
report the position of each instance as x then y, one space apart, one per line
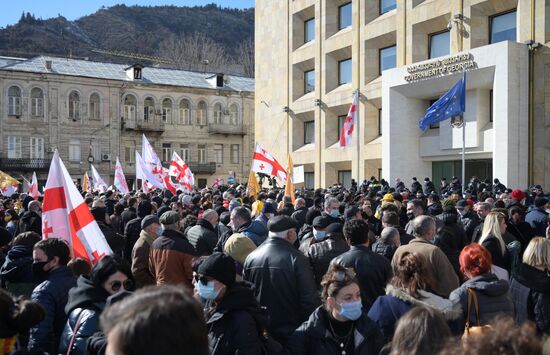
451 104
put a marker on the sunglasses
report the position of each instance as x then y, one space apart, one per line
201 278
127 284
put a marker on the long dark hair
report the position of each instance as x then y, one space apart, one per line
411 273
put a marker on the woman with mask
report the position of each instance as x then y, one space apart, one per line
110 276
234 318
340 325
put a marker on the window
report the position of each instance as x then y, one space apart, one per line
344 16
129 154
503 27
74 150
235 153
341 121
166 152
309 132
202 153
387 5
185 152
344 71
15 150
14 101
218 114
309 180
129 108
74 105
148 109
94 107
37 148
184 112
344 178
167 111
218 153
309 81
201 113
439 44
435 125
234 114
94 149
387 58
37 102
490 105
309 30
379 122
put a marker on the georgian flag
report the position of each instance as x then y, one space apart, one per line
99 183
146 175
66 216
349 123
33 187
152 161
120 180
264 163
86 183
180 170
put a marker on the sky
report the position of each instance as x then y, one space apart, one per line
74 9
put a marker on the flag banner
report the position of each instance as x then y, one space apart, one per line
147 187
86 183
289 186
350 122
451 104
33 188
264 163
8 185
298 174
180 170
217 183
66 216
120 180
146 174
151 160
26 184
167 181
253 186
99 183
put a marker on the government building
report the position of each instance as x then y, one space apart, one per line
93 112
312 55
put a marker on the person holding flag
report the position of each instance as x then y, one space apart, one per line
264 163
120 180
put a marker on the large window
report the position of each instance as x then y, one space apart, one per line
202 153
148 109
344 16
218 113
235 153
74 105
341 121
37 102
74 150
439 44
94 107
503 27
344 71
130 103
184 112
185 152
387 58
14 101
234 114
379 122
167 111
309 30
309 132
309 81
129 154
218 153
166 152
201 113
387 5
309 180
15 150
37 148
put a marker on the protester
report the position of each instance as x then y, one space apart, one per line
387 243
133 228
494 227
537 216
150 231
16 274
203 236
318 234
31 220
321 254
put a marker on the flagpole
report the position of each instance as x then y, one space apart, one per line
463 153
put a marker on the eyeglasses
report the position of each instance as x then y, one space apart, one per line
127 284
201 278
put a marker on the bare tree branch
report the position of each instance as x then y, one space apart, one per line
245 57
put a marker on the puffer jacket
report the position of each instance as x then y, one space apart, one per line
254 230
16 273
384 249
321 254
314 336
52 295
530 290
203 237
234 325
85 304
493 297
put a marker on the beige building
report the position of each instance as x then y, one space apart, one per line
93 112
311 55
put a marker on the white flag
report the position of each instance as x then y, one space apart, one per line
120 179
99 183
146 174
151 160
33 187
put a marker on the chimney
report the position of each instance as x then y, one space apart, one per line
49 64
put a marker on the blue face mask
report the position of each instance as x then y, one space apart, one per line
208 292
319 235
352 310
335 213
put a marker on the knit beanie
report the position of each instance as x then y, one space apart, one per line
220 267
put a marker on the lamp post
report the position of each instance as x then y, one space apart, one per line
90 155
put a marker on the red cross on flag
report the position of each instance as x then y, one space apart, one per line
120 181
66 216
152 161
33 187
349 123
180 170
264 163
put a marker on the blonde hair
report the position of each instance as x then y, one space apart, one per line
491 227
537 253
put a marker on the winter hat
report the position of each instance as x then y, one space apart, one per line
219 266
161 210
321 222
144 209
461 204
238 246
518 195
186 200
448 203
541 201
269 208
98 213
148 220
170 217
234 204
388 198
334 228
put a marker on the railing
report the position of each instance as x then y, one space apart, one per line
198 168
220 128
152 125
24 164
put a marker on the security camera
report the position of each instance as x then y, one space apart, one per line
450 25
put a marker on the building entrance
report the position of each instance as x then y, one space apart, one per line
482 168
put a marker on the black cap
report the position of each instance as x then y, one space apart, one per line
335 228
219 266
281 224
350 212
321 222
461 204
148 220
541 201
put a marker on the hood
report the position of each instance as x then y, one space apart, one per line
18 261
256 227
239 297
85 294
533 278
450 311
488 284
28 215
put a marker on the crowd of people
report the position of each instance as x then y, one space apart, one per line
370 269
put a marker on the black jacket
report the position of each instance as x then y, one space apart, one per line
289 294
522 232
451 224
416 187
203 237
384 249
315 336
531 295
234 325
299 216
131 235
116 241
500 258
16 273
127 215
373 272
30 222
321 254
470 220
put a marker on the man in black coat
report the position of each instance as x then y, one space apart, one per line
373 270
133 228
31 220
283 278
469 219
415 186
300 211
129 213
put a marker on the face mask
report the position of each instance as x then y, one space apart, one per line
334 213
38 272
410 216
352 310
319 235
207 291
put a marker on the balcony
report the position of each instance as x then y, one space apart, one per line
198 168
151 125
220 128
7 164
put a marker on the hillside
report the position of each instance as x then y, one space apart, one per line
137 29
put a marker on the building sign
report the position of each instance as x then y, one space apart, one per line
439 67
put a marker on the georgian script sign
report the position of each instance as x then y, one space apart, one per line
440 67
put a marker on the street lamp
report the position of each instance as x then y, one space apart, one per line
90 155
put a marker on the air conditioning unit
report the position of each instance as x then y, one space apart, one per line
50 149
105 157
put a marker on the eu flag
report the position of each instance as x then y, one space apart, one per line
451 104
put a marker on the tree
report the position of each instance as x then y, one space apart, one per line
245 57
